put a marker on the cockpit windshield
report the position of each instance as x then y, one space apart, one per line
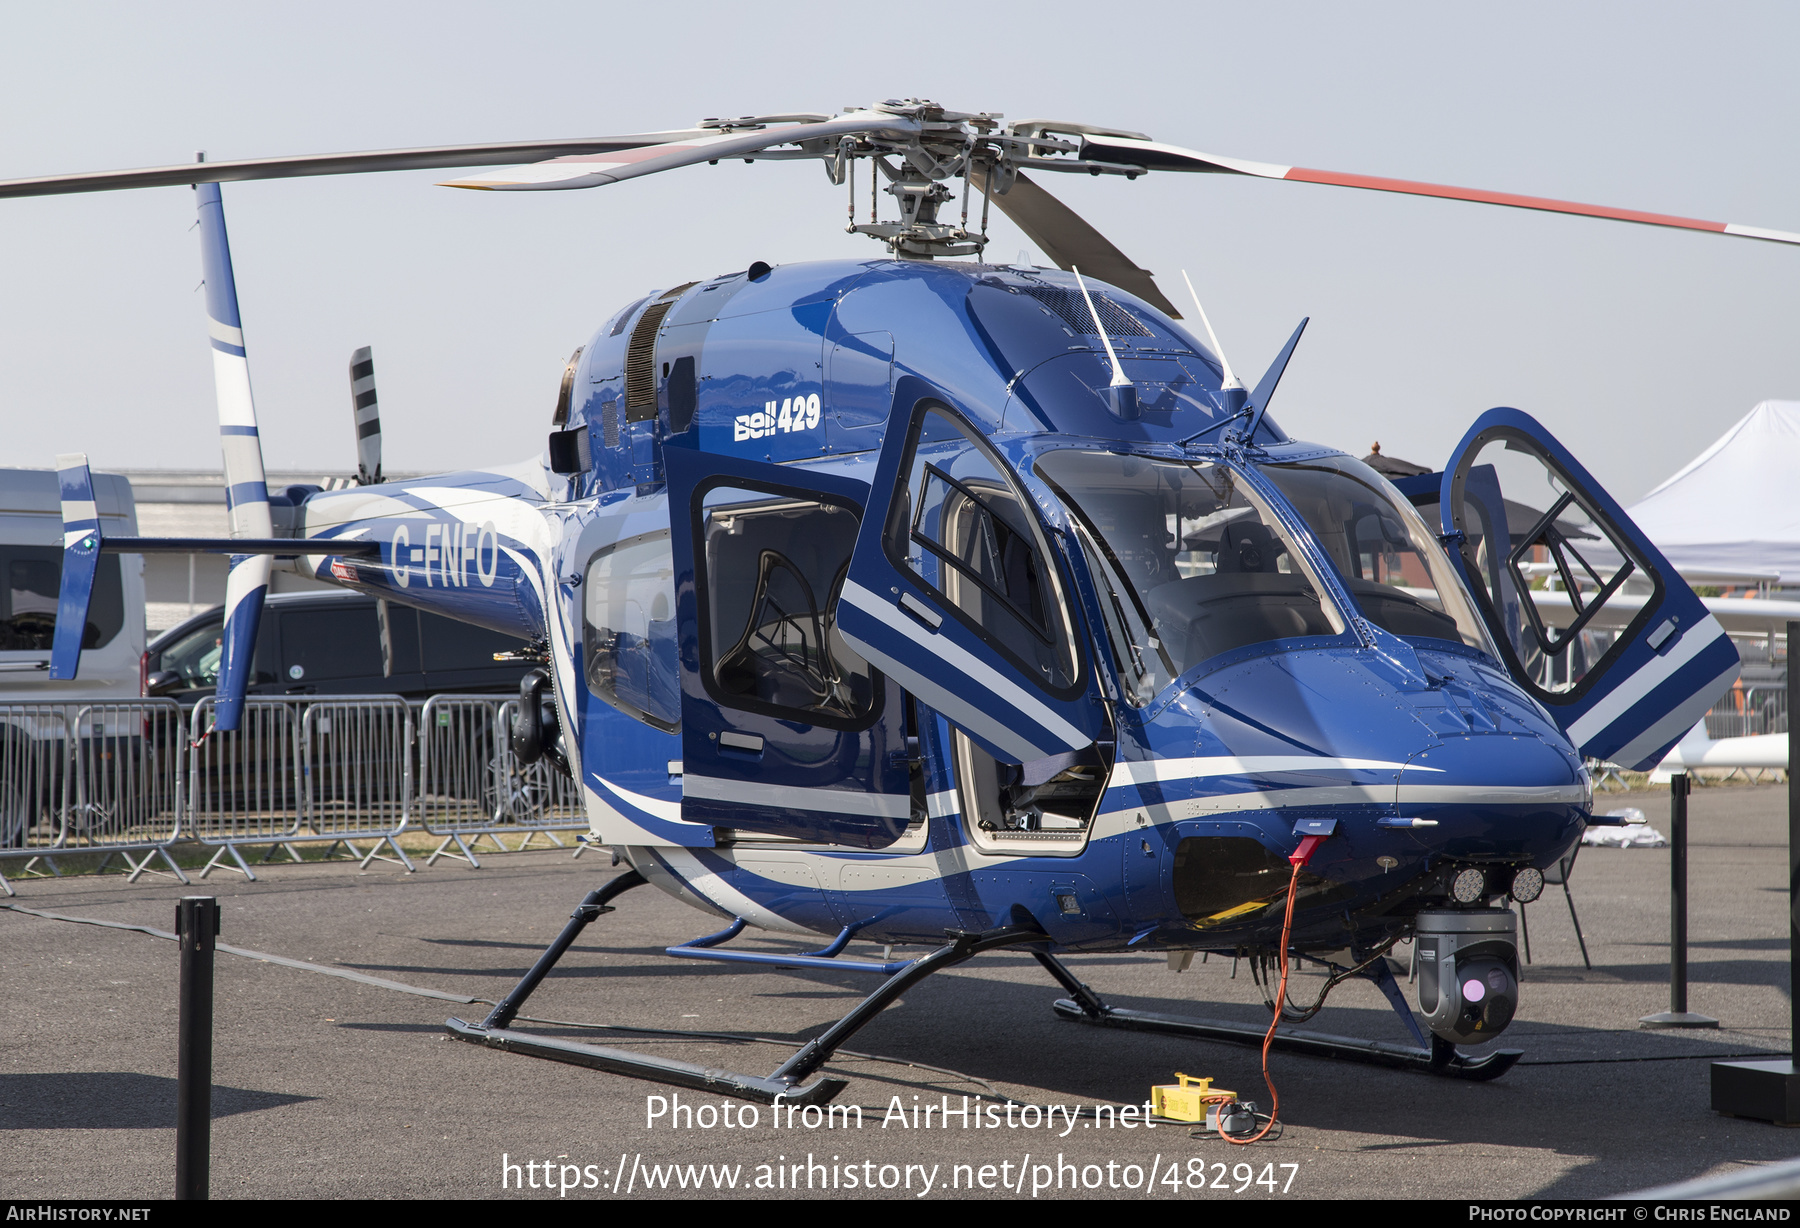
1392 565
1190 563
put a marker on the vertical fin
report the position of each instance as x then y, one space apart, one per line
368 417
81 560
246 487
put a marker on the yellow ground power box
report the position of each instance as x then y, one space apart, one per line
1186 1100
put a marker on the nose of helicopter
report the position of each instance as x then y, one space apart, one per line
1494 797
1465 768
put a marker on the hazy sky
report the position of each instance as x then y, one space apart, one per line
1636 346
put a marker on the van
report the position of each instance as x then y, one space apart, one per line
340 643
337 643
33 746
31 551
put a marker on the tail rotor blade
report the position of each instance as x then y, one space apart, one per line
368 417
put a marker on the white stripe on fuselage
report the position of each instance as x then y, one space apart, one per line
1146 771
1038 712
829 801
703 882
655 807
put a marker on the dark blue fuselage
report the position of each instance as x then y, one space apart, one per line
1204 782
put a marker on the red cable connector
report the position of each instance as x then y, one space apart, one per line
1308 846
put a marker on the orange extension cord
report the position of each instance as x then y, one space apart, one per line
1299 859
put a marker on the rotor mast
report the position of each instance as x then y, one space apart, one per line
949 145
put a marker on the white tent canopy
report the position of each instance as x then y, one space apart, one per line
1736 506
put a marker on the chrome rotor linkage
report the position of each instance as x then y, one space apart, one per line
784 1085
1441 1058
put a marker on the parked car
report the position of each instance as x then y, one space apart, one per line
337 643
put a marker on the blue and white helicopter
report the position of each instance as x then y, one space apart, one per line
931 602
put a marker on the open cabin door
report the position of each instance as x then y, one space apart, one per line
785 729
1591 618
954 593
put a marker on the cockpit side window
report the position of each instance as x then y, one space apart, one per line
628 618
1195 563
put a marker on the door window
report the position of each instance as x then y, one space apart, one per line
772 566
328 645
970 536
629 630
195 656
449 645
1563 583
33 579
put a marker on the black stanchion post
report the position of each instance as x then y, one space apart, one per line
1770 1091
197 928
1678 1015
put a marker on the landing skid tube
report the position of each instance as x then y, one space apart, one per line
1440 1059
785 1085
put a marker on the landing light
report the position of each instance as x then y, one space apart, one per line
1469 886
1527 885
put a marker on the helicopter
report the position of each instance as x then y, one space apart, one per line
927 601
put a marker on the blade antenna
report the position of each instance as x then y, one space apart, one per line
1119 379
1123 393
1265 387
1233 387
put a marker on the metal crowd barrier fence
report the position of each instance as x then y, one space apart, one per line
471 786
133 778
91 777
243 785
300 769
1748 711
356 772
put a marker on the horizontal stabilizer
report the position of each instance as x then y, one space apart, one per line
81 561
280 547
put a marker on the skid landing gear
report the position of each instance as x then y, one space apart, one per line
1085 1006
785 1085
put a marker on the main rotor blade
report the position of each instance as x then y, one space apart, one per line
1152 155
435 157
592 170
1069 241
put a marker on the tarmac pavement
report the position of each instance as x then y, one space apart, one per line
330 1088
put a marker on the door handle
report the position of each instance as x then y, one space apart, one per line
919 610
741 745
